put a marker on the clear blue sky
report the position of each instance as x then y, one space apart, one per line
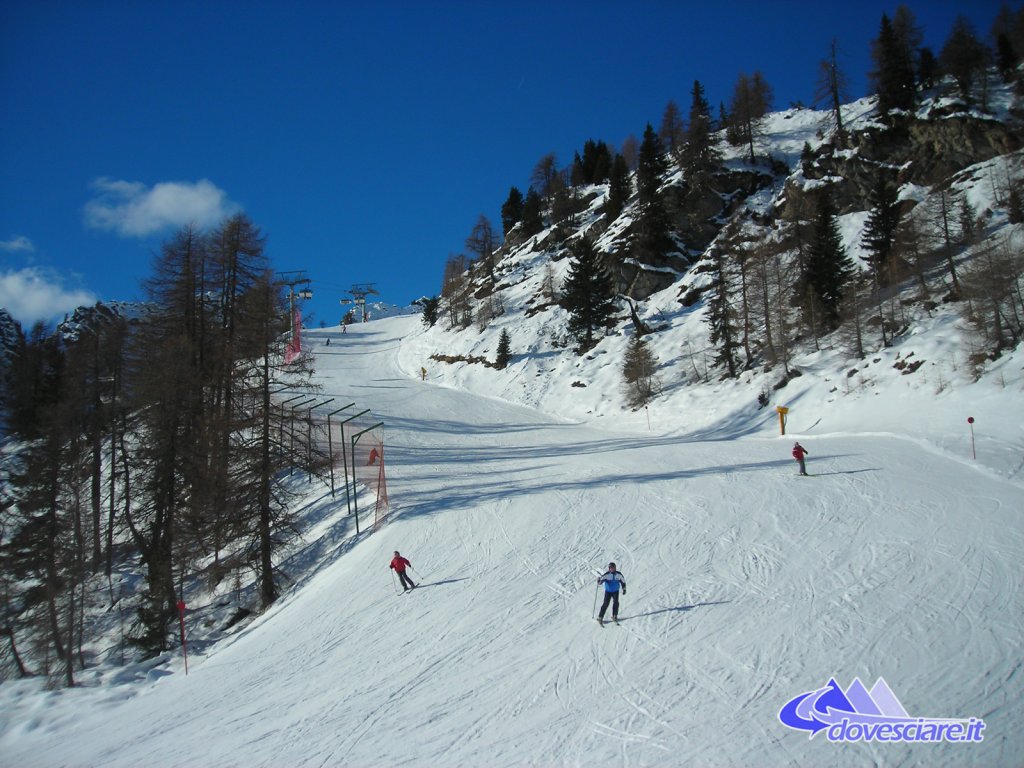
365 139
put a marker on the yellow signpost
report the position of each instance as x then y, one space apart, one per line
783 410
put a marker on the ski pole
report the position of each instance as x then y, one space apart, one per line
394 584
597 592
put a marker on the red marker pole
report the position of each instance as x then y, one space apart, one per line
181 619
970 420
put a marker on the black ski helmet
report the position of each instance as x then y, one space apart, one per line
611 565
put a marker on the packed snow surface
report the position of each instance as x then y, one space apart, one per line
898 558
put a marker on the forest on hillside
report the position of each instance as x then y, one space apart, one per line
155 437
706 204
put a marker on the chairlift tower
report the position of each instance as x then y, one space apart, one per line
359 292
292 279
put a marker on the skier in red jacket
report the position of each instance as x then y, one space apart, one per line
398 565
798 453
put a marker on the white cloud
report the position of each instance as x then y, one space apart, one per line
132 209
33 294
18 243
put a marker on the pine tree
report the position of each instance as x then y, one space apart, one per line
653 239
43 549
894 69
672 131
533 213
909 35
619 189
587 294
833 88
861 297
163 393
880 229
563 201
481 244
992 282
1006 58
511 211
828 265
968 221
640 383
596 164
260 463
927 68
238 265
879 240
1008 32
543 175
504 353
430 306
630 152
751 101
1015 206
456 292
939 231
699 154
577 176
964 57
651 168
721 315
180 376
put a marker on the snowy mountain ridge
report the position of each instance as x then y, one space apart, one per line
934 355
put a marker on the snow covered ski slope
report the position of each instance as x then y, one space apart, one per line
747 587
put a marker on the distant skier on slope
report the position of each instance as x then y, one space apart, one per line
398 565
799 452
611 579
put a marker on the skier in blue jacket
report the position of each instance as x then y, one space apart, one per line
611 579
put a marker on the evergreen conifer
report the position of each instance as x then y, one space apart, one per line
828 265
511 210
504 353
638 367
653 227
880 229
587 295
619 188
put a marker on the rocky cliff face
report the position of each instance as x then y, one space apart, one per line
697 218
927 149
98 316
924 151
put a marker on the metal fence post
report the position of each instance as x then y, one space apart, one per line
330 441
344 460
355 439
